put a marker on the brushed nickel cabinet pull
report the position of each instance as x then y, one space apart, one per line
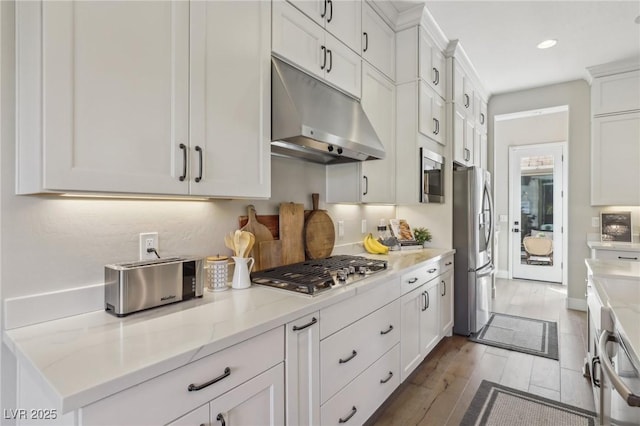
432 270
366 41
193 387
413 280
444 286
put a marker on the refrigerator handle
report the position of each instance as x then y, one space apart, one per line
487 270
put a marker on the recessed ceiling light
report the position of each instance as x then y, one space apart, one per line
547 44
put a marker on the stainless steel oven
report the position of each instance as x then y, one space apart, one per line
431 177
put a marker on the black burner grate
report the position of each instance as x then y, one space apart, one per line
313 275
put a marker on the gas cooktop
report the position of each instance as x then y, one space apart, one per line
313 277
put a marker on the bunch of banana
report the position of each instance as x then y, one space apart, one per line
374 246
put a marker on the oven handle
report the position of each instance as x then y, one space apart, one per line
626 393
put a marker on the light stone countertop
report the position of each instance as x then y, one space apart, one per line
618 285
618 246
81 359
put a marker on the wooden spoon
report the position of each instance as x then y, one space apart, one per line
236 242
228 242
250 243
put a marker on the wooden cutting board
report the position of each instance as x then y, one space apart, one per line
291 232
271 221
319 233
260 232
270 254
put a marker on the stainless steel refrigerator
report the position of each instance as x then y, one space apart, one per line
472 236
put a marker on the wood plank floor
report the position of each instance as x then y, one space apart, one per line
442 387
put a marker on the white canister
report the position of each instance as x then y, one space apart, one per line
217 272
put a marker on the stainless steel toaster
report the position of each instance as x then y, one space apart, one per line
135 286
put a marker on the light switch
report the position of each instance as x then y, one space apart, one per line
595 222
341 228
504 218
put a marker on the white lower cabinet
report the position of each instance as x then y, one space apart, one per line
169 396
357 401
631 256
302 374
259 401
347 353
446 304
420 325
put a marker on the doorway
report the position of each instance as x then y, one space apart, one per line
537 184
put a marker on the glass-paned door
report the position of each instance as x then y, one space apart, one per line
536 175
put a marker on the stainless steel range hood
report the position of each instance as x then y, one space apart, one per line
313 121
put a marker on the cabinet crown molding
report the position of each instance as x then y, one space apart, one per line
617 67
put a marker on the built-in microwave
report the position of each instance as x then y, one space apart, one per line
431 177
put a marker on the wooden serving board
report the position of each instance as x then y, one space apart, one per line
291 232
270 254
319 233
260 232
271 221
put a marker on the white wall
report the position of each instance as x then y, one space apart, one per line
575 94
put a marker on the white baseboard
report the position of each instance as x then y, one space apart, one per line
36 308
501 273
577 304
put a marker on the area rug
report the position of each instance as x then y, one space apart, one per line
528 335
497 405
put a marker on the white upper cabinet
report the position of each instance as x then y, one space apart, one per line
432 64
230 98
615 156
418 57
342 18
615 133
301 41
102 110
143 109
378 42
370 181
616 93
431 115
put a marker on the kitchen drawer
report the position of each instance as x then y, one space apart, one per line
166 397
365 394
632 256
420 275
347 353
446 264
338 316
599 313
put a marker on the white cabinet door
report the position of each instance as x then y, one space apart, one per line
446 304
260 401
616 93
230 99
343 66
298 38
429 317
379 103
431 115
410 347
469 143
344 20
461 154
302 374
306 44
481 114
432 64
113 110
615 155
378 42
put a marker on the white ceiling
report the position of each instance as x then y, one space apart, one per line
500 37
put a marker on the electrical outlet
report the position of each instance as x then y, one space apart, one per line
341 228
363 226
595 222
148 240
